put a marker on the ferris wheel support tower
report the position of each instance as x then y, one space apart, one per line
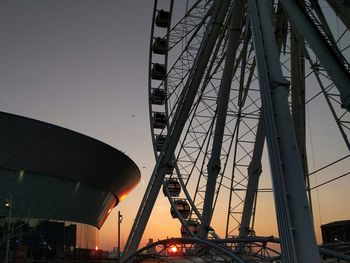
295 225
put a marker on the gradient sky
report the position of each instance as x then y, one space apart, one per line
83 65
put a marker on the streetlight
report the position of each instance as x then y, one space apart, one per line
120 219
8 205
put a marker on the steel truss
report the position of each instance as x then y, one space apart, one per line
256 249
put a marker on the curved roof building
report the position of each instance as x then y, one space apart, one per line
51 172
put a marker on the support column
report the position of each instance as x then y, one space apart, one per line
298 102
214 164
298 241
254 171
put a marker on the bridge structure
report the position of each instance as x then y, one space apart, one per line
228 79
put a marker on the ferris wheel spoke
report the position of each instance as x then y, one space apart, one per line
341 119
329 55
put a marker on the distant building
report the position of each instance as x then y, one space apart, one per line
337 231
151 250
59 186
46 239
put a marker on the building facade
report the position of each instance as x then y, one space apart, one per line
54 182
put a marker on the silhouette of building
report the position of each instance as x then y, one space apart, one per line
337 231
56 183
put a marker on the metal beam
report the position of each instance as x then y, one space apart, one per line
166 156
188 240
342 9
329 56
214 165
254 171
298 241
298 101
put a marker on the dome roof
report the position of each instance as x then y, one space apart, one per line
69 158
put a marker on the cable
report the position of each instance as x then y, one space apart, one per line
327 182
326 166
313 163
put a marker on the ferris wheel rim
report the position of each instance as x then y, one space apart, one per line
153 134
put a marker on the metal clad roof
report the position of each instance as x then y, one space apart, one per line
36 146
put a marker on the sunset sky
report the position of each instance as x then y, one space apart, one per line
83 65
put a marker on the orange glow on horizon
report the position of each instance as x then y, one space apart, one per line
122 197
96 248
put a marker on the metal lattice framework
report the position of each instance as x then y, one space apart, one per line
226 78
198 249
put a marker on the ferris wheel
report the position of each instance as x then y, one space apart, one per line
228 79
